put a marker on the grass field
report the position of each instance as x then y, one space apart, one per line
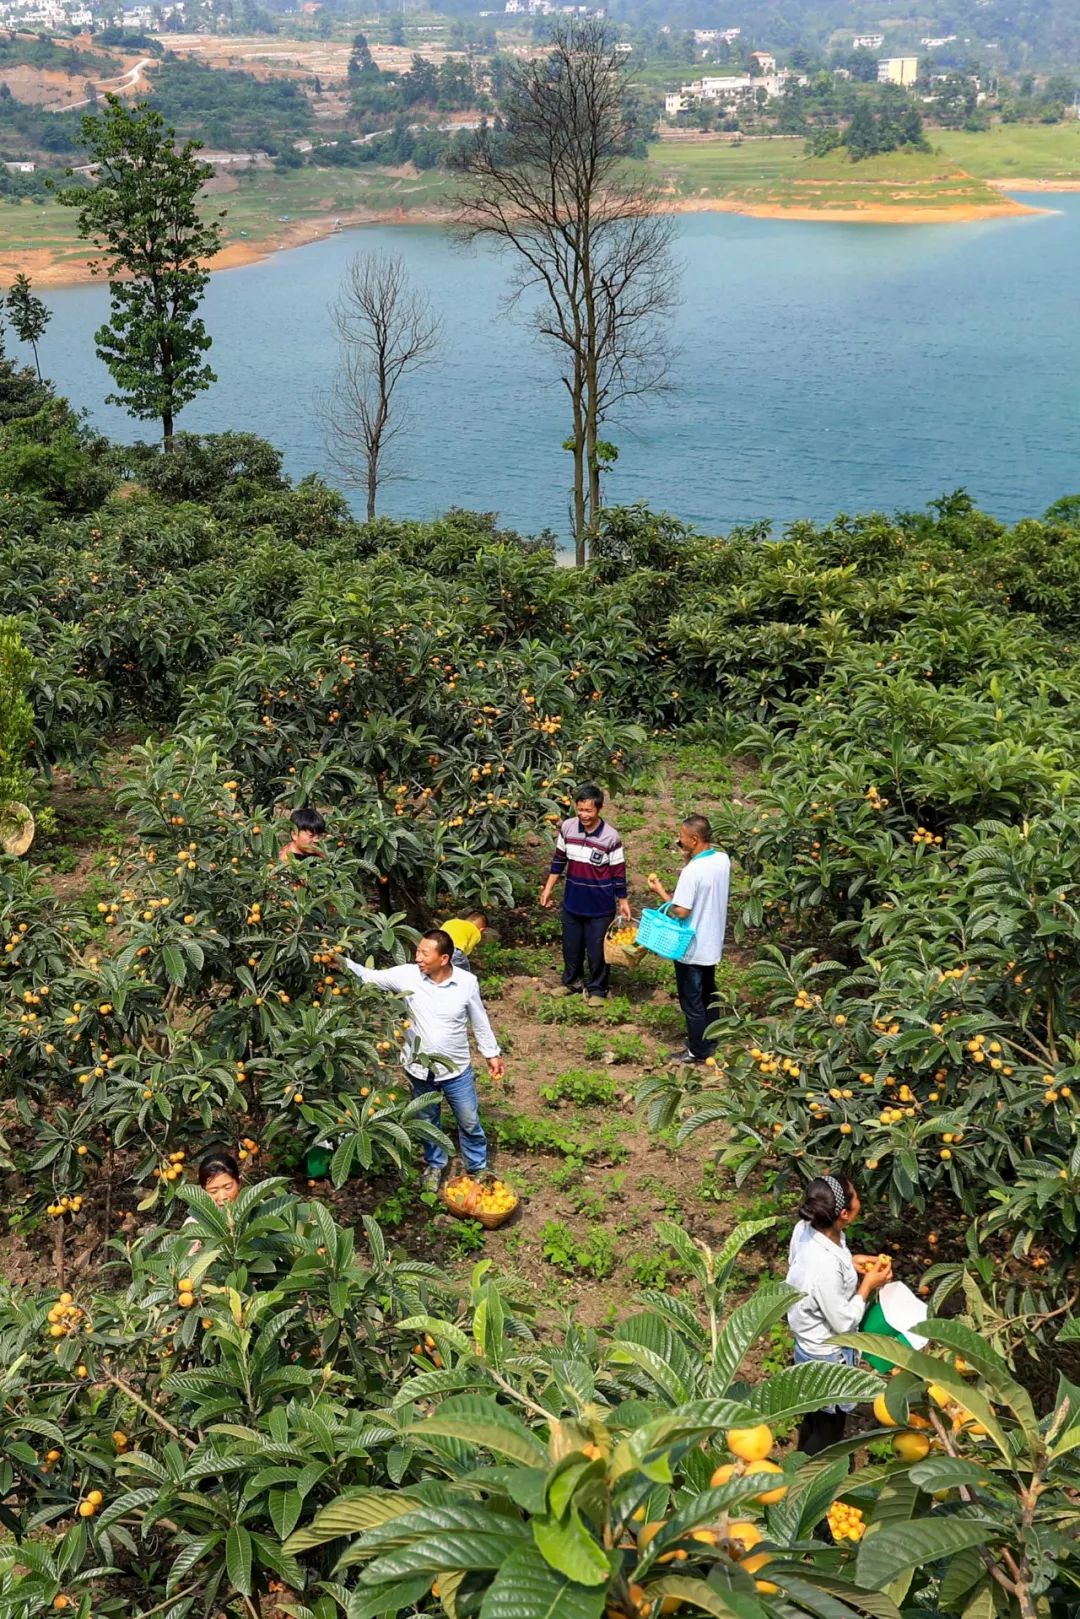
1031 152
257 205
267 209
778 174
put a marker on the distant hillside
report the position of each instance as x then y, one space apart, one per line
1040 34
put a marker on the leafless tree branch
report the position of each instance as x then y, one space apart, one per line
553 184
386 330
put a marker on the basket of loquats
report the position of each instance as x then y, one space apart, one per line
620 949
486 1199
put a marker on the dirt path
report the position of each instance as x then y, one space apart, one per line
118 86
603 1200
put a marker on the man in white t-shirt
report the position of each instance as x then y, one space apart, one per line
701 897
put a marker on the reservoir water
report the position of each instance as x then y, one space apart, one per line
820 368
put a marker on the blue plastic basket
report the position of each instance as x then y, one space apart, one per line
664 935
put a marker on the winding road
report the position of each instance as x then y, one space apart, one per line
126 81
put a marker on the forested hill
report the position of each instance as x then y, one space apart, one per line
1035 33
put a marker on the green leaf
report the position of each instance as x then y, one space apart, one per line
489 1327
893 1549
527 1587
568 1547
815 1487
443 1331
440 1549
284 1507
526 1487
238 1559
899 1353
798 1389
946 1472
737 1239
709 1598
896 1500
874 1603
827 1599
351 1514
485 1423
693 1421
980 1604
621 1353
744 1326
965 1570
393 1598
564 1481
991 1368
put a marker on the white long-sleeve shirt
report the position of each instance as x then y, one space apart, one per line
440 1016
825 1273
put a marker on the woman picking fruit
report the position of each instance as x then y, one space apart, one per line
219 1176
835 1296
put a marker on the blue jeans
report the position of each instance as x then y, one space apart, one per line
696 989
460 1092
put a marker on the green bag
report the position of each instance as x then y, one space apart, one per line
894 1313
875 1320
317 1162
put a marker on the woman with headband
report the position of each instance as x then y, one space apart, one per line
835 1296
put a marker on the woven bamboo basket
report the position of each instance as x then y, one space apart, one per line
465 1207
621 955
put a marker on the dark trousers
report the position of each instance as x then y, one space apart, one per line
696 987
584 936
820 1429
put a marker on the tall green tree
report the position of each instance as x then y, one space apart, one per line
143 216
29 316
361 62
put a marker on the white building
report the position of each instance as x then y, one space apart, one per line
898 70
936 44
868 42
734 89
714 36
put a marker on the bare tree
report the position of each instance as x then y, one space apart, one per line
386 330
554 184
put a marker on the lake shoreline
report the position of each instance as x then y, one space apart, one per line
46 270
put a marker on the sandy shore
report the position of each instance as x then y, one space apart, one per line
1034 185
46 270
859 213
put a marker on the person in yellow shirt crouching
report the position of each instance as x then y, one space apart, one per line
466 932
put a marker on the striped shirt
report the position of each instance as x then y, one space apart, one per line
595 868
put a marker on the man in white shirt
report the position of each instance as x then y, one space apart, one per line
701 897
443 1002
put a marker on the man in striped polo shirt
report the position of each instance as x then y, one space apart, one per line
590 852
